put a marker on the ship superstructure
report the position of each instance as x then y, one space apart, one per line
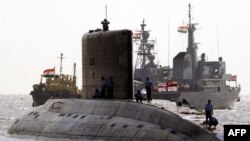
145 65
198 81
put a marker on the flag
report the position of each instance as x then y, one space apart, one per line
49 73
182 29
234 78
137 35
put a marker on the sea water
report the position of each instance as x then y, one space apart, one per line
14 106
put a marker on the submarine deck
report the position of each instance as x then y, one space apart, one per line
188 113
115 120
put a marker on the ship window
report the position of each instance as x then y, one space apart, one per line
125 126
75 116
140 125
216 70
218 89
82 117
61 115
91 61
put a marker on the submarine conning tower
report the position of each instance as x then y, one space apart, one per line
107 54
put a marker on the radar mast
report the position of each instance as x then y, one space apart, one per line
145 53
61 59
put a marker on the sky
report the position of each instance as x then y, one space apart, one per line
33 34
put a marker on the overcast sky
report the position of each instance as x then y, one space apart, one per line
35 32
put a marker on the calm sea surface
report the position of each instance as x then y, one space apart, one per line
14 106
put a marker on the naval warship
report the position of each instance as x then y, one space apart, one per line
194 81
145 62
55 86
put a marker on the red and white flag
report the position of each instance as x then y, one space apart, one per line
137 35
49 73
182 29
234 78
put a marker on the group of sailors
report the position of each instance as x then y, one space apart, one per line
107 85
149 88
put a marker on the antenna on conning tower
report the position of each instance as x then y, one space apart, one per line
106 11
61 58
105 22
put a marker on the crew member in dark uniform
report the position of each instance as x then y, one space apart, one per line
104 85
110 84
208 111
149 88
105 24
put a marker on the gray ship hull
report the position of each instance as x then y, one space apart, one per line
220 100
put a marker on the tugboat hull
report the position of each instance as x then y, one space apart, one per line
39 98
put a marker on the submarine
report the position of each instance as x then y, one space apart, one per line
118 118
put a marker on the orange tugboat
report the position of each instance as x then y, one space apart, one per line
55 86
